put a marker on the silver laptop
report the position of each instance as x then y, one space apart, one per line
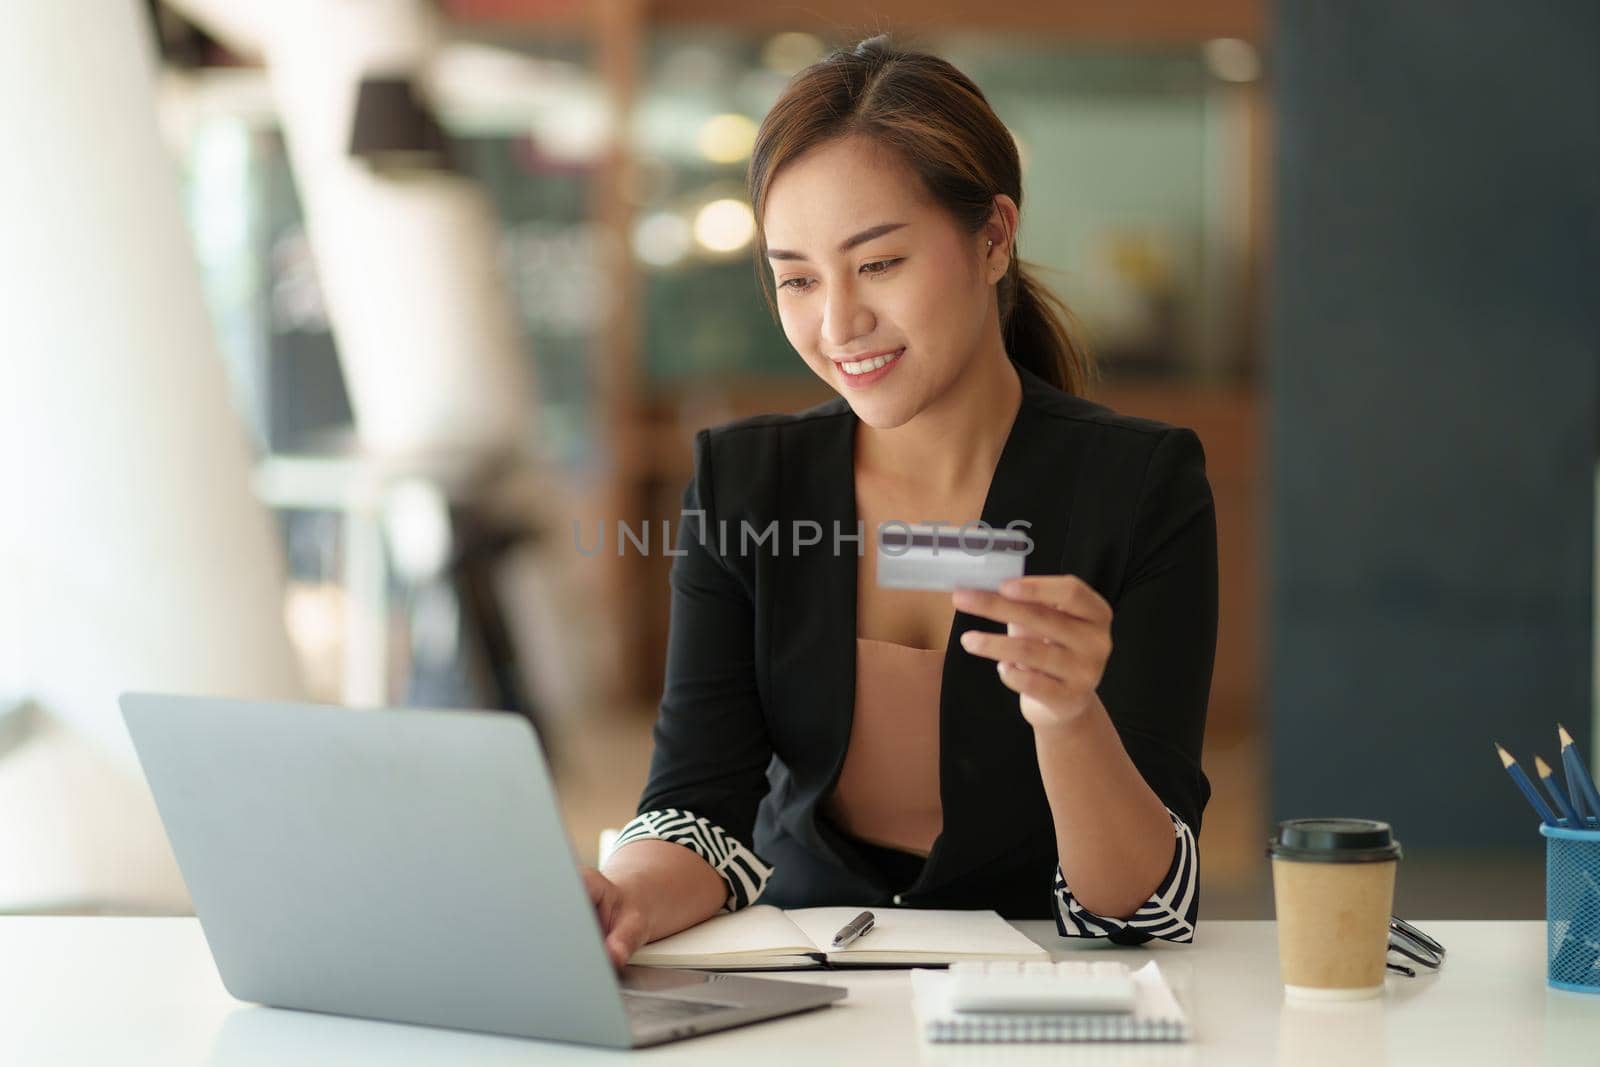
406 865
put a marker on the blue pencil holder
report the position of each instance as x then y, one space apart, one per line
1572 908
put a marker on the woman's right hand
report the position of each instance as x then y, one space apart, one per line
622 920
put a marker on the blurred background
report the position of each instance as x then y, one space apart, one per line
335 332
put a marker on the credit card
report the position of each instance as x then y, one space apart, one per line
938 557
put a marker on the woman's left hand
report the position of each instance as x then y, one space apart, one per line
1056 644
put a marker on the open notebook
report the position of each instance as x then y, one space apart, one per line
767 938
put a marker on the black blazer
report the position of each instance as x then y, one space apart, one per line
760 679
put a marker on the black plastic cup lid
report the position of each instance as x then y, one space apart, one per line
1334 841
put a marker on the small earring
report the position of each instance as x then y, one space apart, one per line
991 243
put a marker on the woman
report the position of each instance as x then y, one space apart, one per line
823 740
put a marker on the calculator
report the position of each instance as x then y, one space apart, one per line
1102 987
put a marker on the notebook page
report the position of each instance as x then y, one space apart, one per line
757 931
913 934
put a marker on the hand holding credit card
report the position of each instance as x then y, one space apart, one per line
937 556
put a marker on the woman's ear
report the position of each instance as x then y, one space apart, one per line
999 237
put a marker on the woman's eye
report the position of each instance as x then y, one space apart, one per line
876 267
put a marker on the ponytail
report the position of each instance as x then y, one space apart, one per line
1041 333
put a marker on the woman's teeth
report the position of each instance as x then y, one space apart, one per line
866 366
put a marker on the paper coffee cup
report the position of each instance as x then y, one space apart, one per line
1333 886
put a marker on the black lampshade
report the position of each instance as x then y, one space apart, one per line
394 130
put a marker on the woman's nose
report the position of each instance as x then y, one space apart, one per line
844 318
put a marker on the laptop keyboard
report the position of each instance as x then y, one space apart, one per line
643 1008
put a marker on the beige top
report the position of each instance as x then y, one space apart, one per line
888 791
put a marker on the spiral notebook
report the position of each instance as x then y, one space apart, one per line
1156 1016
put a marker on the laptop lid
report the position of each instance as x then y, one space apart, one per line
396 864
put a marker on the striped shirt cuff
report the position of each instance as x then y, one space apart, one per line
1169 914
739 867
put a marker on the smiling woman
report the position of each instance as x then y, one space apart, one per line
824 739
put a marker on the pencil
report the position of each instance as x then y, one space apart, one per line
1521 778
1547 776
1578 780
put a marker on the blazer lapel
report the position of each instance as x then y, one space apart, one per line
990 787
814 620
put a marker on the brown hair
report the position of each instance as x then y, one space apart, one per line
941 126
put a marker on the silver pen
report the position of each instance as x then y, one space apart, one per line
853 929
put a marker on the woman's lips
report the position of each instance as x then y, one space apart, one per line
860 381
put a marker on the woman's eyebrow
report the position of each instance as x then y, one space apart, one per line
850 242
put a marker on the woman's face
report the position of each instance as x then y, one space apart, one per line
865 266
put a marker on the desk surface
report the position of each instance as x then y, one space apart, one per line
95 991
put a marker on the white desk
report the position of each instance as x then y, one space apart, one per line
108 991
